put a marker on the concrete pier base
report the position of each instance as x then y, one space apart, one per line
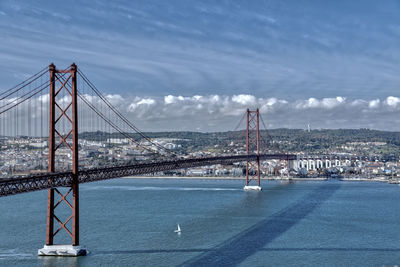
252 188
62 250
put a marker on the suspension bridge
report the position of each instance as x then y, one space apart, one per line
52 107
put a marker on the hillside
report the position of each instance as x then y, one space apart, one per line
361 141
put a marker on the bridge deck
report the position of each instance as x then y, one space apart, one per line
64 179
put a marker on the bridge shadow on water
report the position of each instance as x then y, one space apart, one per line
156 251
254 239
236 249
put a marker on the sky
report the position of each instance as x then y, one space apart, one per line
197 65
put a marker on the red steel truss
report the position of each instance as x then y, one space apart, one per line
64 179
253 146
66 113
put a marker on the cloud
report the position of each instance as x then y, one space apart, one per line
243 99
392 101
201 65
325 103
141 103
114 99
222 112
224 48
373 104
170 99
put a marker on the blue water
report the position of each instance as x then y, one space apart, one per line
131 222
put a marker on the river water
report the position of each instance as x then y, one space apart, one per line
131 222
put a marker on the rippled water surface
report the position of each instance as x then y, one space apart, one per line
129 222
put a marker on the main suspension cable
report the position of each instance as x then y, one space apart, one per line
107 120
268 135
121 116
40 89
23 84
94 109
18 98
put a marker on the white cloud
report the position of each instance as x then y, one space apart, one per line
358 102
140 103
271 101
374 103
244 99
219 112
311 103
44 98
392 101
147 101
170 99
222 113
325 103
114 99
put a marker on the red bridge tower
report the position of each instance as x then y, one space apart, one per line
63 88
253 147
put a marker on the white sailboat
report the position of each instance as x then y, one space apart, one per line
178 230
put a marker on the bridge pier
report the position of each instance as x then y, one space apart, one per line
62 250
69 114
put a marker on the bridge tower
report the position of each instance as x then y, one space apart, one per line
63 112
253 147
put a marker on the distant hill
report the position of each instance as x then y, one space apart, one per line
362 141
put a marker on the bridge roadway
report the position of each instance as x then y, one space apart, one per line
63 179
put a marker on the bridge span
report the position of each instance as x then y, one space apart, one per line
64 94
43 181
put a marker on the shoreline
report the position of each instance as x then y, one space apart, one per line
222 178
376 179
348 179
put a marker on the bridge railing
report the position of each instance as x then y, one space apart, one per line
34 183
64 179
